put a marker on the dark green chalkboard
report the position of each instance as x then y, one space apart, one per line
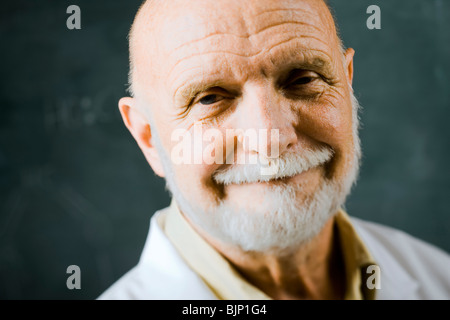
75 189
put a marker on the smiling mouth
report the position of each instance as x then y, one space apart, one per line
278 180
290 167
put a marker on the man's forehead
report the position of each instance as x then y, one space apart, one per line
186 28
189 21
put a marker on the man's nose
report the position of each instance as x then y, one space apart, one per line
263 114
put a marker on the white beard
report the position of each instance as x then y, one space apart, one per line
279 224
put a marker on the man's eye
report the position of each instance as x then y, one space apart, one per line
301 81
209 99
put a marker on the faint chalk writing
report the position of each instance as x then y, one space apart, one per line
75 112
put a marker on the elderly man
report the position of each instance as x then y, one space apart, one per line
235 230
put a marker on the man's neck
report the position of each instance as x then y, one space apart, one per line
313 271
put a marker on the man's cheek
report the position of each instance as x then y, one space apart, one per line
331 126
188 178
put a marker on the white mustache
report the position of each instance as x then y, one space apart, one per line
288 165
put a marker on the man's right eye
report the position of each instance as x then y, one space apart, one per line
209 99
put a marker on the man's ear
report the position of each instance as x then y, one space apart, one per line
140 129
349 54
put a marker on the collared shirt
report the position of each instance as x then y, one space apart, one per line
227 284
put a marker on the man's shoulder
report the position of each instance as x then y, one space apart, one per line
407 264
133 285
160 274
395 240
148 282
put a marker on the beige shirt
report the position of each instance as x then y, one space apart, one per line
227 284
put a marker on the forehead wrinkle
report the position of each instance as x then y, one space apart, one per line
169 80
283 9
298 37
319 17
251 55
246 35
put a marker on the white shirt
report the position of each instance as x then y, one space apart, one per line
410 268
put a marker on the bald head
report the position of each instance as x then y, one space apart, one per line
159 22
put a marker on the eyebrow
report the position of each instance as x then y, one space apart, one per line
314 62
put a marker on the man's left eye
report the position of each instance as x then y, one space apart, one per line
302 80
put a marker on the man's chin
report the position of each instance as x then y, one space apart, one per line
283 218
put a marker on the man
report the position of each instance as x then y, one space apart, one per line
264 218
